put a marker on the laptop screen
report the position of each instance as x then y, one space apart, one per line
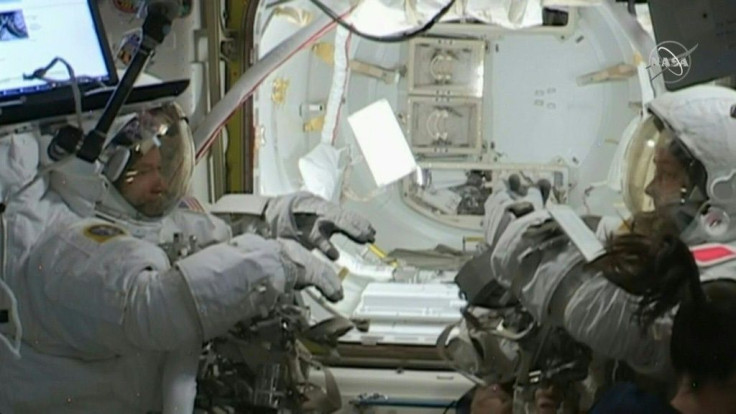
34 32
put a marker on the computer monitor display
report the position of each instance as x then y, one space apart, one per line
34 32
696 40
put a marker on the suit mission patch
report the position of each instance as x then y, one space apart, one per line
103 232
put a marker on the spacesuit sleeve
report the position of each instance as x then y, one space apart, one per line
232 281
120 295
549 277
509 247
207 228
207 293
600 315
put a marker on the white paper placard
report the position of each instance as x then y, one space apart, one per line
382 142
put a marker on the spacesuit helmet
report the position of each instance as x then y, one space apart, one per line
699 126
149 163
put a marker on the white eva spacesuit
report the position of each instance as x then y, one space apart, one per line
103 306
548 276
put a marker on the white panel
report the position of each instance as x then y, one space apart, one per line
382 142
539 111
407 314
432 303
424 388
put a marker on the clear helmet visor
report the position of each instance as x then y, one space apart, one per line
663 181
640 168
159 160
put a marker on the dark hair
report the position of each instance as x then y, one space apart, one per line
662 272
703 343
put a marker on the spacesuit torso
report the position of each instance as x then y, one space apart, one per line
102 307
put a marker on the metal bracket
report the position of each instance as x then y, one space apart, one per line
388 76
622 71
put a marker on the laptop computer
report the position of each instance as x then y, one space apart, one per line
32 34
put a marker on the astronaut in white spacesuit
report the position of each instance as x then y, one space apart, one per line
693 189
102 304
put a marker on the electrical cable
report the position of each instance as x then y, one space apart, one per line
277 3
401 37
452 404
631 7
41 74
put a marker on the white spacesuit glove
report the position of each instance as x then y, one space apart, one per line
312 220
511 200
304 270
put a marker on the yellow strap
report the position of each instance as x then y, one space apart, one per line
382 255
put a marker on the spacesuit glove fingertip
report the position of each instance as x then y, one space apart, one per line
336 296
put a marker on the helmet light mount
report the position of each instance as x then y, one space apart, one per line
157 24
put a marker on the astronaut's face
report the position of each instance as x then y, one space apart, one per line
547 400
491 400
143 184
670 178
